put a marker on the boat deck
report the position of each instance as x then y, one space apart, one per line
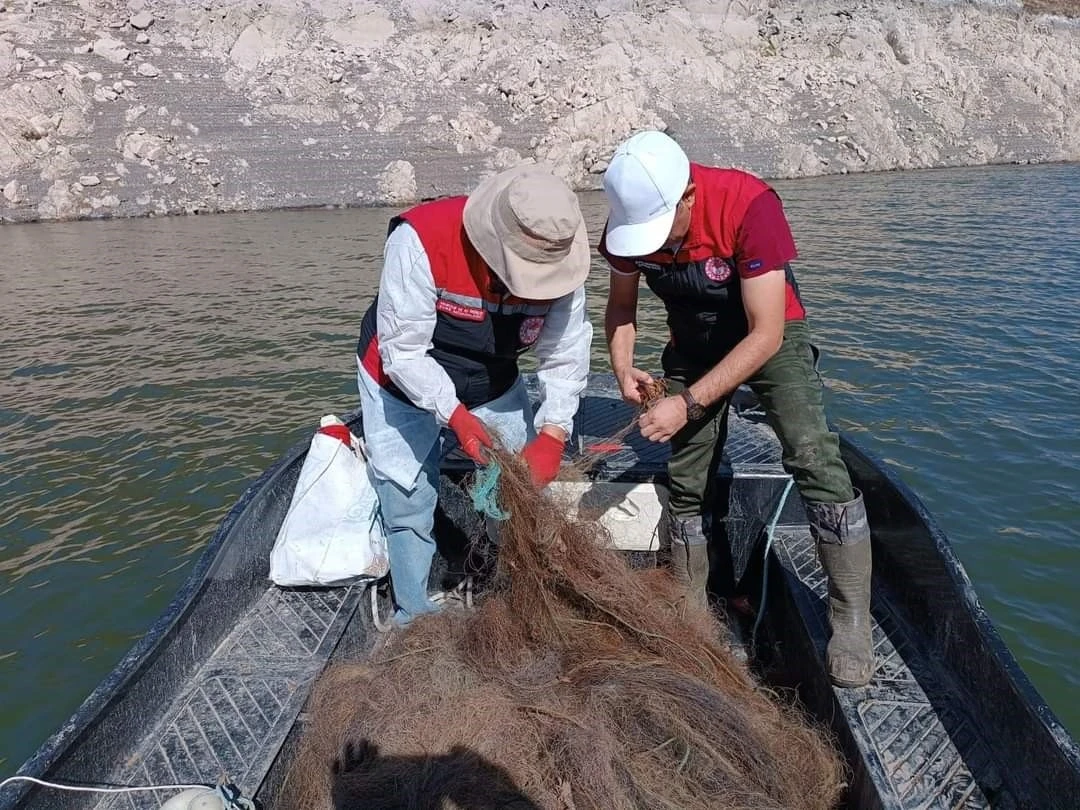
235 711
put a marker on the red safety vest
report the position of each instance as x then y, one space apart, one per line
479 333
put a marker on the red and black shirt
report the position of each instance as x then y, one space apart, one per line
737 230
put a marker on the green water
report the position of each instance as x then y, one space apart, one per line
150 369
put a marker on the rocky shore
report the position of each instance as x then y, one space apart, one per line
153 107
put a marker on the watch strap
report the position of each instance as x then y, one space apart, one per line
694 409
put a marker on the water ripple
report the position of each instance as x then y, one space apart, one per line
150 369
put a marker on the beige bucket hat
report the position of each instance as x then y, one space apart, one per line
527 226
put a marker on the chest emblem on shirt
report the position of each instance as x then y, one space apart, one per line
716 269
530 330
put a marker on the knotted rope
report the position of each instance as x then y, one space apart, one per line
484 491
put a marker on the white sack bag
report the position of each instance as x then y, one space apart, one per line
332 533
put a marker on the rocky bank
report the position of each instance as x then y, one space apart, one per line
139 107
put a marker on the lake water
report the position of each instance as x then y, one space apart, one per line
150 369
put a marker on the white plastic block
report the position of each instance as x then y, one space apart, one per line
630 512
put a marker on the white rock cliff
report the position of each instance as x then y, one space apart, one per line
113 108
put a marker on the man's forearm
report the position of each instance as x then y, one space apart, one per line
621 333
563 356
749 355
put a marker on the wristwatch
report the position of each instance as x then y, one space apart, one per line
694 409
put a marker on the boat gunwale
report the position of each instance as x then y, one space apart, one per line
1025 696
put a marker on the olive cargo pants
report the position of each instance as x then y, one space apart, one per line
790 391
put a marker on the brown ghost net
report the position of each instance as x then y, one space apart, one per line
577 683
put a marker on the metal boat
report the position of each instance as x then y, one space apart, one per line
216 689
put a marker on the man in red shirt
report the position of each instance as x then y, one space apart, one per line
715 246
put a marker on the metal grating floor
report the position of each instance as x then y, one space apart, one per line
231 720
904 721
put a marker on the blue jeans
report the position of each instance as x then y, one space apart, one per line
408 511
409 522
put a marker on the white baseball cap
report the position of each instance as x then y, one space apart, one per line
644 182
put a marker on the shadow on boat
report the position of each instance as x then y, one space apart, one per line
365 779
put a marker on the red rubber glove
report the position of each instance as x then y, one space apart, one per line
471 434
543 455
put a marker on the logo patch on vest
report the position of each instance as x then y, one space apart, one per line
717 270
648 266
456 310
530 330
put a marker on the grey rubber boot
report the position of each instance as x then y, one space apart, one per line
690 558
842 532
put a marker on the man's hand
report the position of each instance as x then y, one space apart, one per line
664 419
632 384
471 434
543 455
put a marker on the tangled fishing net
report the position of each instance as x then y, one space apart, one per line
577 683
